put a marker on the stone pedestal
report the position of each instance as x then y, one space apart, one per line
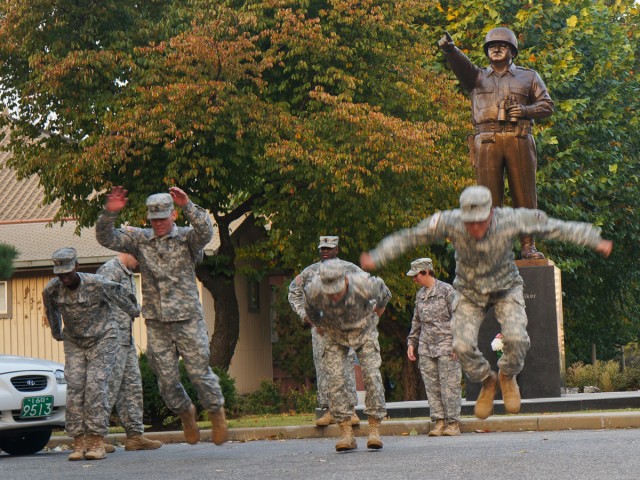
544 369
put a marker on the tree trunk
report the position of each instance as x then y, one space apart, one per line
217 275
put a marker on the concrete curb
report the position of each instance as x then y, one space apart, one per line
507 423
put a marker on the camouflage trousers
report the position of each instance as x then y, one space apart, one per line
318 343
510 312
125 389
339 400
442 377
166 342
88 371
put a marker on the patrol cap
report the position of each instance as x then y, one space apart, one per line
64 260
331 277
475 204
328 242
159 205
420 265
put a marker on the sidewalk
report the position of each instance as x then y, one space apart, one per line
542 414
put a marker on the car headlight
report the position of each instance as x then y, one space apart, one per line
60 377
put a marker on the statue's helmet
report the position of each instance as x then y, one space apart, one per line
501 34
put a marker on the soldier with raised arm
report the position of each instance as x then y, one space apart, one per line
505 102
172 310
486 277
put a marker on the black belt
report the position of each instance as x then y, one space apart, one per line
523 128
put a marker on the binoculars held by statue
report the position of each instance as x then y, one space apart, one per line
503 106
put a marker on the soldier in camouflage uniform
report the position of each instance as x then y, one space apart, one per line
487 276
328 248
172 310
125 388
90 338
431 338
347 307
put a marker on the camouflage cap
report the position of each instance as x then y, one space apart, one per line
159 205
332 276
475 204
420 265
328 242
64 260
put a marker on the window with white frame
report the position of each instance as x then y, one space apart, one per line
4 300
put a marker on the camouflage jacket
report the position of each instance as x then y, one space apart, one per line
167 264
86 311
351 321
485 266
115 271
297 286
430 332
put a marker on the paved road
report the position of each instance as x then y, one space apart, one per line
584 455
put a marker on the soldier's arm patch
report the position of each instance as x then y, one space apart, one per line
433 223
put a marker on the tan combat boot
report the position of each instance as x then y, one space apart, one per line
452 430
78 449
189 425
95 448
109 448
346 440
438 429
138 441
373 440
219 430
484 403
325 420
510 393
355 419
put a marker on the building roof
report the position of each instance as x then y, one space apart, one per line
21 199
36 241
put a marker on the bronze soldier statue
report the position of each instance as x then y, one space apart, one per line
505 101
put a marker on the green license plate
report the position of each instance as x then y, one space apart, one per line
33 407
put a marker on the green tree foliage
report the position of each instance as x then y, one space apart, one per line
588 151
315 116
8 254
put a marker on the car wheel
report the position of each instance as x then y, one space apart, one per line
26 443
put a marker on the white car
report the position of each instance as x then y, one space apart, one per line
33 395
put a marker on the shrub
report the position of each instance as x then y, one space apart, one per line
228 386
303 400
8 254
607 376
631 378
270 399
155 411
267 399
